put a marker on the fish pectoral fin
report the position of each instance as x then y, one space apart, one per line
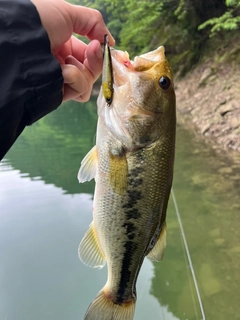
88 166
89 251
157 252
118 173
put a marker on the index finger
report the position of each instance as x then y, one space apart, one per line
89 22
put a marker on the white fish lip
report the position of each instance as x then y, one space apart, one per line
124 68
122 57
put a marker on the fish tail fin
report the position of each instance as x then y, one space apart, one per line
103 308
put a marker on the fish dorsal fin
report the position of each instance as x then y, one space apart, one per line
157 252
89 251
118 173
88 166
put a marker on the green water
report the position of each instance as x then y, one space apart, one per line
44 214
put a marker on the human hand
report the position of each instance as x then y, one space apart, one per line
81 64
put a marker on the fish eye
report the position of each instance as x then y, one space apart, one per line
164 82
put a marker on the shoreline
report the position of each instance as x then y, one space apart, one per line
208 100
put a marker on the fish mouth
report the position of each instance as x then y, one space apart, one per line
128 109
124 65
127 75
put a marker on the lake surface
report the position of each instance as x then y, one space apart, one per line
44 214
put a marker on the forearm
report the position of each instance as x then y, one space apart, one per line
31 78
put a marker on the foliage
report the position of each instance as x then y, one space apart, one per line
230 20
143 22
182 26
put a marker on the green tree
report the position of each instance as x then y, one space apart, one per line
230 20
182 26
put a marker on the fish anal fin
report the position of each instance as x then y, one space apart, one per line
118 173
103 308
157 252
88 166
89 251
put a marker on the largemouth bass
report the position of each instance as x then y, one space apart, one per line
132 164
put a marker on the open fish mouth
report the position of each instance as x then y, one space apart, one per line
135 85
139 63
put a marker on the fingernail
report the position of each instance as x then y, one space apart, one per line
111 40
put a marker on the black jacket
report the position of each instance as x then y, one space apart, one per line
30 77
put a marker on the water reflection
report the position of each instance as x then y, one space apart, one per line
40 274
53 147
44 213
208 200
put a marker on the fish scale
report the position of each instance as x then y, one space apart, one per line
132 164
121 227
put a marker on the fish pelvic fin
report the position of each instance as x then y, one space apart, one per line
89 251
103 308
88 166
157 252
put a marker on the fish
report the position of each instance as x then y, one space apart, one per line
107 73
132 164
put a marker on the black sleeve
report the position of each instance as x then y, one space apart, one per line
30 77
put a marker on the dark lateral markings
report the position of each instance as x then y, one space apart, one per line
132 213
130 247
131 210
135 172
135 182
134 196
130 227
